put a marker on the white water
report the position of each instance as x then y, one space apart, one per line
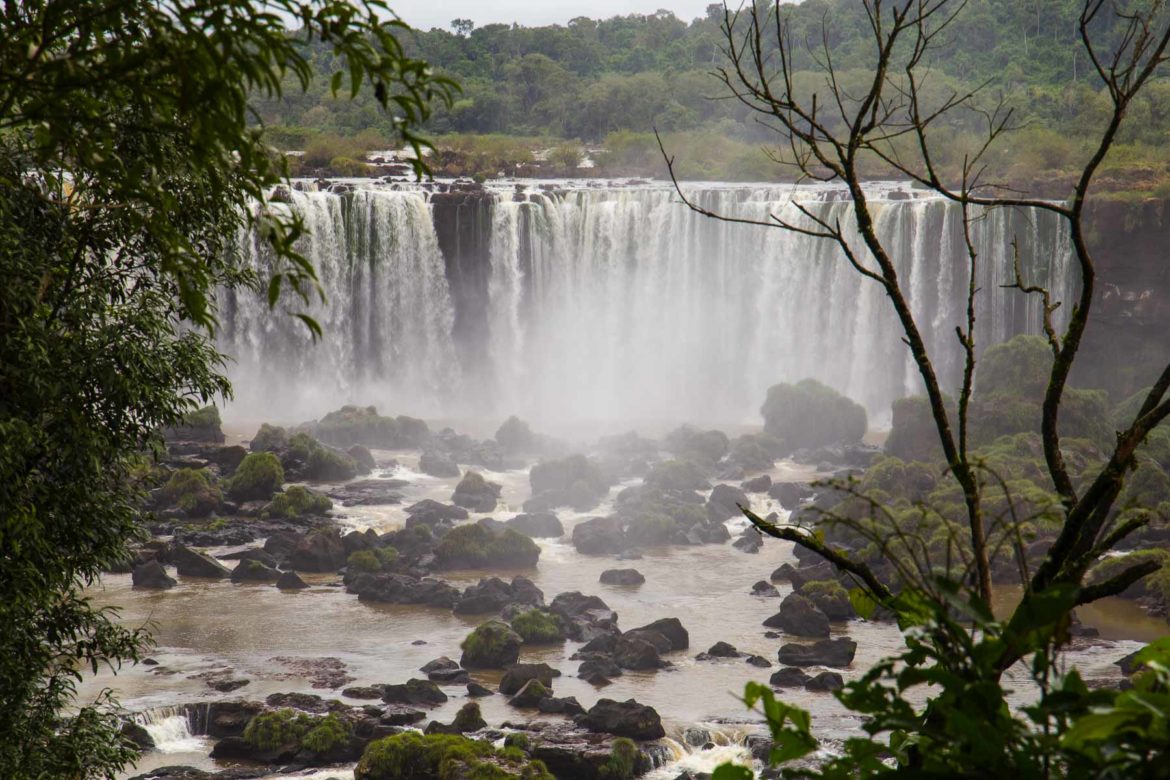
611 304
170 729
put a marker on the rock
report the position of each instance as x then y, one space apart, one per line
827 652
468 719
438 464
517 675
368 492
538 525
290 580
672 629
475 546
362 457
450 677
790 494
758 484
320 551
600 536
759 661
830 597
515 436
280 544
530 695
420 693
789 677
622 577
825 681
810 414
430 512
623 719
575 480
365 691
252 554
637 653
677 475
598 671
227 686
765 588
490 594
724 503
403 589
440 664
723 650
749 542
476 690
493 645
567 705
152 575
401 715
137 734
476 493
195 564
254 571
800 617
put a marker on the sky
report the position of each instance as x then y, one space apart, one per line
425 14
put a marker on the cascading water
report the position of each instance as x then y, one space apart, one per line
620 304
170 729
386 320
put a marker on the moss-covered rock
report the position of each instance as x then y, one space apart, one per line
373 561
200 425
473 546
810 414
326 464
414 756
515 436
690 443
830 597
492 645
913 434
677 475
328 734
298 501
259 476
574 481
363 425
193 491
270 438
280 728
538 627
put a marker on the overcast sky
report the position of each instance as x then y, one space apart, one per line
426 14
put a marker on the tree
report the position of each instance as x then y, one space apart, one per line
127 168
462 27
944 601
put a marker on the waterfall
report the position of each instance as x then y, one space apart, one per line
619 303
170 729
386 317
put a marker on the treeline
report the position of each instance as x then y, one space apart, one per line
590 79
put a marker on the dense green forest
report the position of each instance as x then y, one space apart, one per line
609 83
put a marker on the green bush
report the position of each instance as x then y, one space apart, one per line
207 417
347 166
810 414
271 730
269 438
351 425
537 627
414 756
258 476
623 760
329 733
472 546
370 561
329 465
193 491
298 501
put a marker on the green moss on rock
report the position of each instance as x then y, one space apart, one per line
810 414
259 476
538 627
192 490
272 730
413 756
492 645
269 438
474 547
298 501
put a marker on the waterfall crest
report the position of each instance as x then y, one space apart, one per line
620 303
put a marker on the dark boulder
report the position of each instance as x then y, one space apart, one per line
800 617
790 494
254 571
765 588
320 551
624 719
281 544
789 677
724 503
468 719
759 484
152 575
719 650
637 653
598 671
476 493
825 682
672 629
477 691
431 512
827 652
419 693
290 580
538 525
492 645
600 536
567 705
190 563
362 457
400 715
517 675
438 464
759 661
622 577
530 695
750 541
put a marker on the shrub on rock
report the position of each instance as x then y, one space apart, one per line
474 547
414 756
259 476
373 561
329 465
810 414
298 501
538 627
280 728
193 491
492 645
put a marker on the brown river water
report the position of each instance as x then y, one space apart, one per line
207 626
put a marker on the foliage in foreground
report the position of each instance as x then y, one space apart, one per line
127 169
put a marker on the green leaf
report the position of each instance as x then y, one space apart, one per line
732 772
863 604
